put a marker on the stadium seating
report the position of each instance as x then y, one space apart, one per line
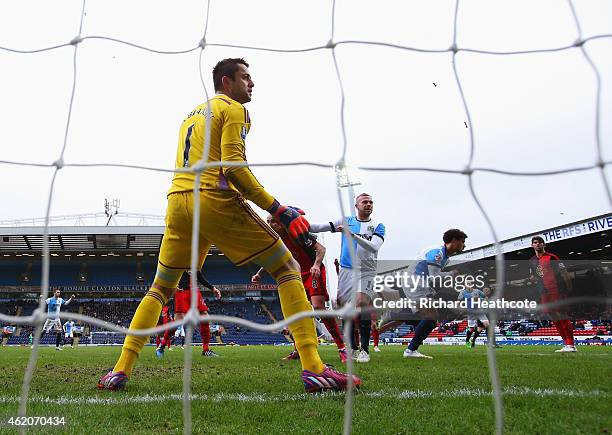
119 311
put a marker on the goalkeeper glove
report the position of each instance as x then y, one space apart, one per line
291 218
299 210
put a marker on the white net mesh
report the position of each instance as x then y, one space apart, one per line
192 318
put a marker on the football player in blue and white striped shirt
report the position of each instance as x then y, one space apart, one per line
477 321
69 332
53 320
430 263
366 235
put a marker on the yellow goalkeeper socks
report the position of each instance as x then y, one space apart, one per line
293 300
146 316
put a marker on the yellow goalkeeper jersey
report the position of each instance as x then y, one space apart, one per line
230 124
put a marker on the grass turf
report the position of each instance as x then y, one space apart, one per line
249 390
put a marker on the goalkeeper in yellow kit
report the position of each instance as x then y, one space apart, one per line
227 221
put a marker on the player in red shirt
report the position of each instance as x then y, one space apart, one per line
375 336
313 276
163 337
182 303
554 280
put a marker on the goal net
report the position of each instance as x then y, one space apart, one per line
453 114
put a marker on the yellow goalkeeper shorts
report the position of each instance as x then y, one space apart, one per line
228 222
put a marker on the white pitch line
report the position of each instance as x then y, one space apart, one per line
582 354
269 398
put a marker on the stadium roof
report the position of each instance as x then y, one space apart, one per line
589 236
94 239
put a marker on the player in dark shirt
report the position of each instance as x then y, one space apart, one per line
550 274
310 259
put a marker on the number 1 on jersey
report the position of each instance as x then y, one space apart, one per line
187 146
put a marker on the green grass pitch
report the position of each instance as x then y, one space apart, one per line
250 390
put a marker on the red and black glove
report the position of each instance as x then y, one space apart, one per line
293 220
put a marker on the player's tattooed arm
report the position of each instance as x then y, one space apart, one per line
315 270
202 280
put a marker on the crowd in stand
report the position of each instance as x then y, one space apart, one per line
449 328
526 327
120 312
117 313
9 309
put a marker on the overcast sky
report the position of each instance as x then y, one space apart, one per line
529 112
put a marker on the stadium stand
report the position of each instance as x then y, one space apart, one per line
110 268
119 312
